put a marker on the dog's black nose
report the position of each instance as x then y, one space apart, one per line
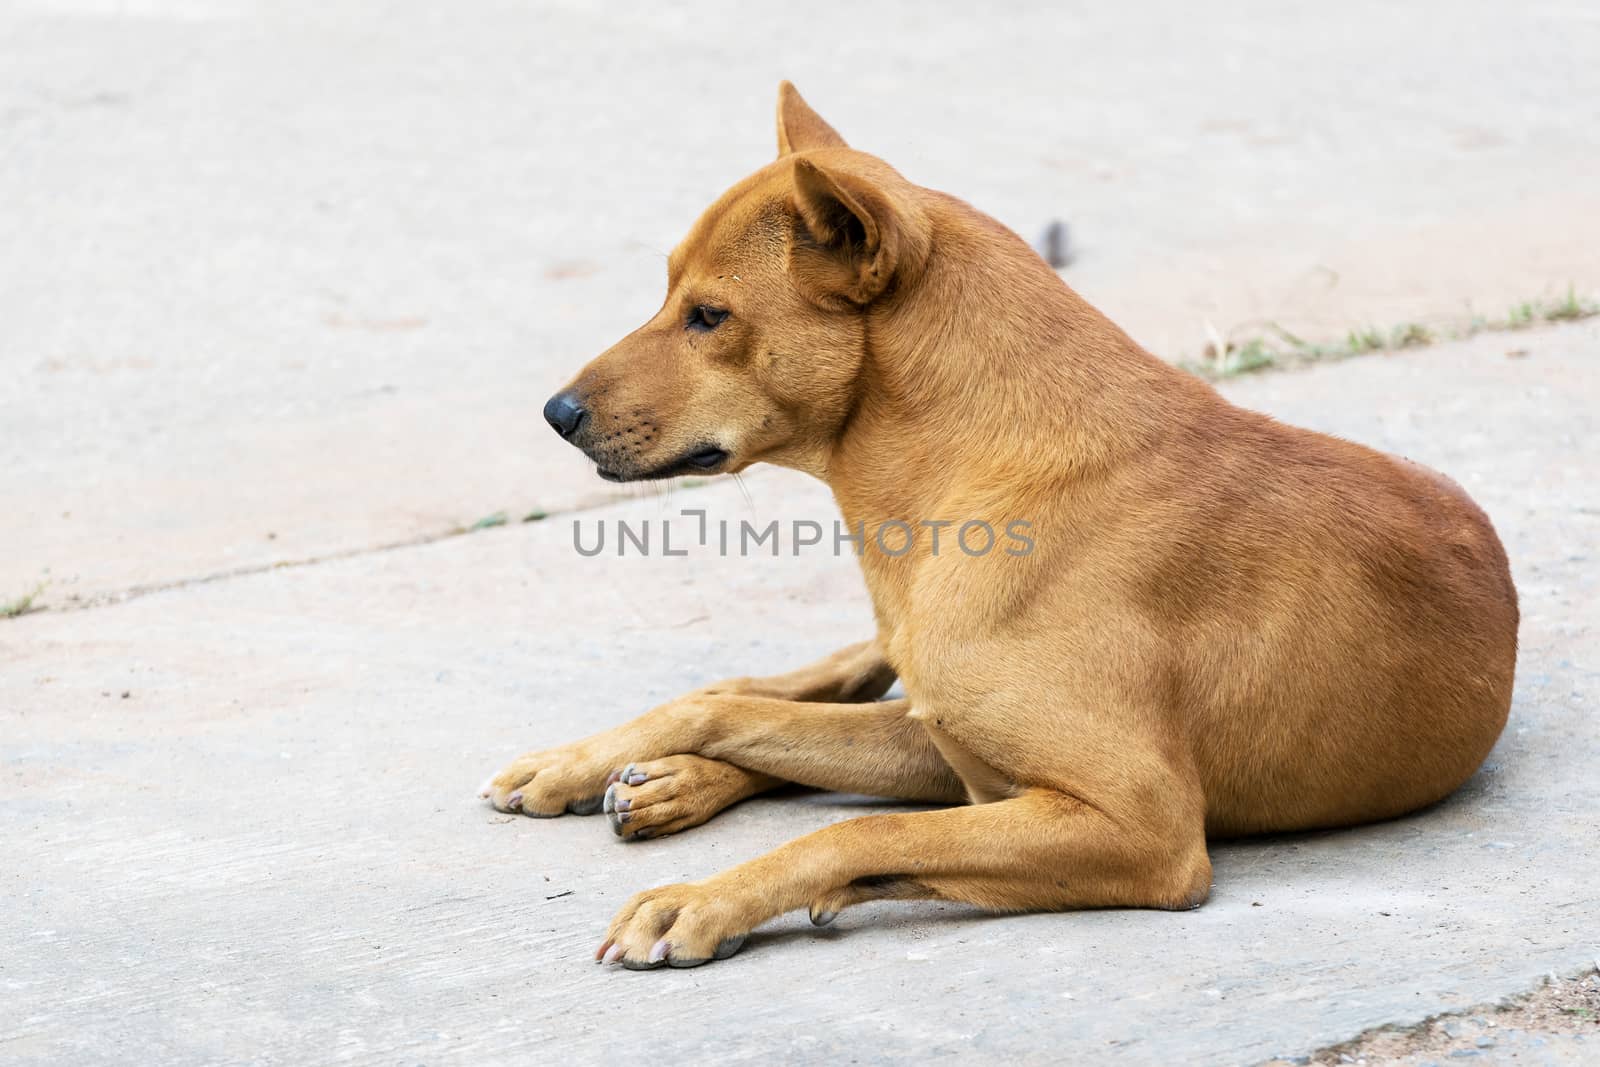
564 414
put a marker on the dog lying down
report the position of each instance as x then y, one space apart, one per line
1225 626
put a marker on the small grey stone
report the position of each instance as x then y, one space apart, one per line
1055 244
1463 1053
1484 1042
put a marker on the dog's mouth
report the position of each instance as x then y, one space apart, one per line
702 459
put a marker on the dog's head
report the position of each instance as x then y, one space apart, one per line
757 351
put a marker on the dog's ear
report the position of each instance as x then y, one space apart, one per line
800 128
851 238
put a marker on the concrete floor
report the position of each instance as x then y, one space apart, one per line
243 825
282 286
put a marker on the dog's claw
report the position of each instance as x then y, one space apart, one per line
514 801
617 807
612 954
823 918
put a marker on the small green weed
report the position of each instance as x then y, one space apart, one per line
1277 347
23 604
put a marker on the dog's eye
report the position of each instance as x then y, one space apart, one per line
706 318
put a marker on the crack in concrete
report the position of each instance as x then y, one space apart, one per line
122 596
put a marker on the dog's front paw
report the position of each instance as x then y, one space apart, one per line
674 926
570 779
659 797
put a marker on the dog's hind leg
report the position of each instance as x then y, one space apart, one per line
1039 850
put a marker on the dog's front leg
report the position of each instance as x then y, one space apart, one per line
1040 850
575 777
656 797
678 765
660 747
852 748
849 676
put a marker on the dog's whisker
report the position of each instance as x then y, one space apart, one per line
744 491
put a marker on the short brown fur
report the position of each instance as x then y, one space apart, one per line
1226 625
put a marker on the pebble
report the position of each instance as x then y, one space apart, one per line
1055 244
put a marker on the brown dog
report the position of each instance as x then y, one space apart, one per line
1226 625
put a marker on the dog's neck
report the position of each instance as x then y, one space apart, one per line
990 372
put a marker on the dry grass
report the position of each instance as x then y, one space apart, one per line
1269 346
